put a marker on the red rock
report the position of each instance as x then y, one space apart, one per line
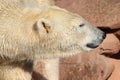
116 73
98 12
111 44
85 67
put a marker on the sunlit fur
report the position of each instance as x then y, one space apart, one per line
21 37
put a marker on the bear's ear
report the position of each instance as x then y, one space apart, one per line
43 27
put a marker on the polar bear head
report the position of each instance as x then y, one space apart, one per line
65 33
29 32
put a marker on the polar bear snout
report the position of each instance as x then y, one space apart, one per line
97 42
92 45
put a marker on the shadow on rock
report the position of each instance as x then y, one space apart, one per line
38 76
113 29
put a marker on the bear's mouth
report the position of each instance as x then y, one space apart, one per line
96 43
92 45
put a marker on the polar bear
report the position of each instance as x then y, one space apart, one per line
29 33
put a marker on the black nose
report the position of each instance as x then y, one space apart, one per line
92 45
104 35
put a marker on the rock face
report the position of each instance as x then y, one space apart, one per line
98 12
106 15
93 66
85 67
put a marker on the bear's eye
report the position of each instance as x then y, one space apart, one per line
81 25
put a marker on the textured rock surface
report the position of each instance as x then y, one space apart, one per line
98 12
85 67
